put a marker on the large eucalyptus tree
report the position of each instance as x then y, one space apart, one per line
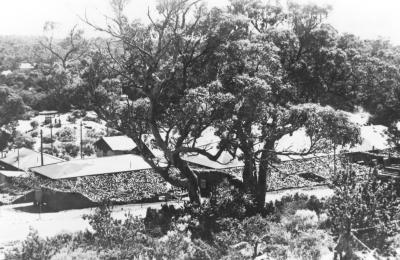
193 70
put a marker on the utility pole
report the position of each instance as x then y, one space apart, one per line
81 142
41 147
334 159
51 135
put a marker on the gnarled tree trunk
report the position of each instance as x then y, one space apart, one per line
249 173
264 173
262 181
192 179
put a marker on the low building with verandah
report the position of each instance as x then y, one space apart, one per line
83 183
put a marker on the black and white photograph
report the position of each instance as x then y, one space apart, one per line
199 129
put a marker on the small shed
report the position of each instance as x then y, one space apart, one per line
48 115
114 145
26 66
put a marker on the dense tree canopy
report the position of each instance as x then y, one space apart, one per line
12 108
266 103
329 68
196 69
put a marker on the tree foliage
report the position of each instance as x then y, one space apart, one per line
365 205
195 70
12 106
266 102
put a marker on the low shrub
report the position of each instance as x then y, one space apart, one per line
180 245
47 140
259 237
65 157
93 119
225 202
71 149
250 230
366 203
158 222
302 220
78 113
53 151
88 149
394 248
66 134
5 138
290 204
94 134
78 253
34 124
34 134
23 140
71 119
36 248
313 244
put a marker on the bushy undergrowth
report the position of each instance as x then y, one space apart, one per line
37 248
225 227
66 134
288 205
368 207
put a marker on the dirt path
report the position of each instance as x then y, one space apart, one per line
318 191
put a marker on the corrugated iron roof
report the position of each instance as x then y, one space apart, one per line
94 166
13 173
224 161
120 143
48 112
25 158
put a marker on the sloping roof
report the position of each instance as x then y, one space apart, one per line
6 72
26 158
225 161
284 158
13 173
372 137
94 166
25 65
119 143
48 112
209 142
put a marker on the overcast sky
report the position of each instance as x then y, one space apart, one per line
365 18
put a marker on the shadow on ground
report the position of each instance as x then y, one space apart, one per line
36 209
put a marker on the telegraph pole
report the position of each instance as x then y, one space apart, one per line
18 157
81 142
41 147
51 136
